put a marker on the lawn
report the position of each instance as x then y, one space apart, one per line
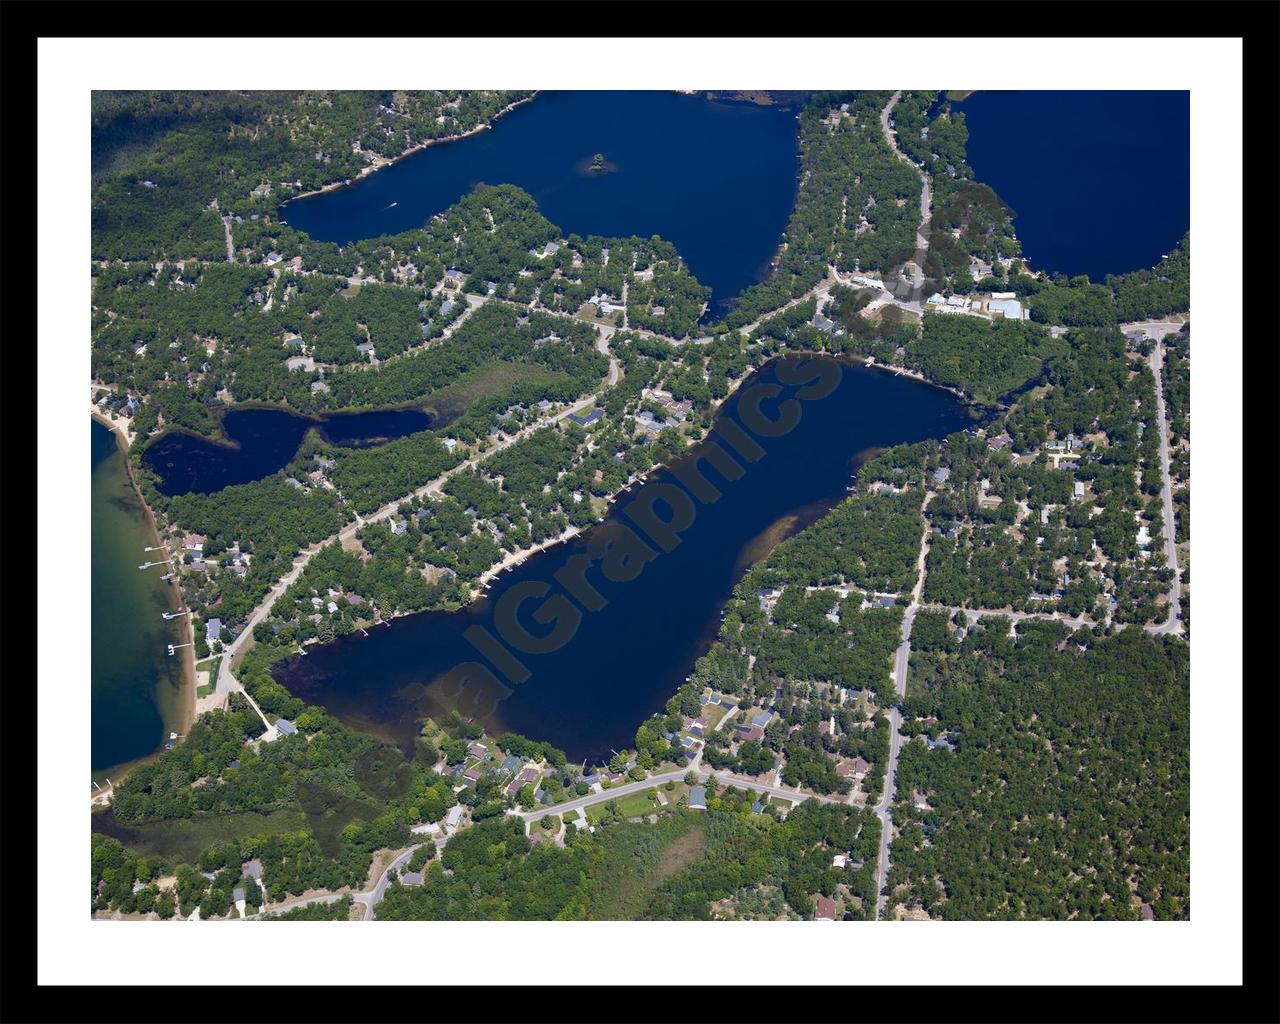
712 714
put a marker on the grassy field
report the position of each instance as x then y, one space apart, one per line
184 839
637 859
713 713
450 402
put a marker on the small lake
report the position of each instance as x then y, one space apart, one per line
715 178
136 688
262 442
626 659
1100 181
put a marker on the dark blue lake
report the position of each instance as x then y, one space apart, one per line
717 179
262 442
626 659
1100 181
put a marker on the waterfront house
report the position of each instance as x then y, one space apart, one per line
285 727
213 630
510 764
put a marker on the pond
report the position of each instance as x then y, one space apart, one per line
715 178
263 441
1100 180
625 659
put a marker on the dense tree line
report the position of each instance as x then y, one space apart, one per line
493 872
163 159
1067 792
983 358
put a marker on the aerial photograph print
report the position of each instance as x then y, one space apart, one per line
640 505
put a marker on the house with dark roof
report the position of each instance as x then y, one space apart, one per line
510 764
285 727
594 416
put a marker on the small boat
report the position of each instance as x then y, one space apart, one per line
389 207
168 746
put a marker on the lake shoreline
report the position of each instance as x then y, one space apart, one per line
187 695
378 163
286 668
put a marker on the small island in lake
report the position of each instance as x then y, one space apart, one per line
597 164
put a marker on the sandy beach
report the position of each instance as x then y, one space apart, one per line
125 435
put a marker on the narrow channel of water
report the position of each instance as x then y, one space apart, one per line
262 441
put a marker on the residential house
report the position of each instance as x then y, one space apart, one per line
453 817
698 798
594 416
824 909
213 630
285 727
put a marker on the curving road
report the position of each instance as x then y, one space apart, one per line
926 198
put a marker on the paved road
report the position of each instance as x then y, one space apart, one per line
226 680
722 778
1174 623
901 659
926 199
